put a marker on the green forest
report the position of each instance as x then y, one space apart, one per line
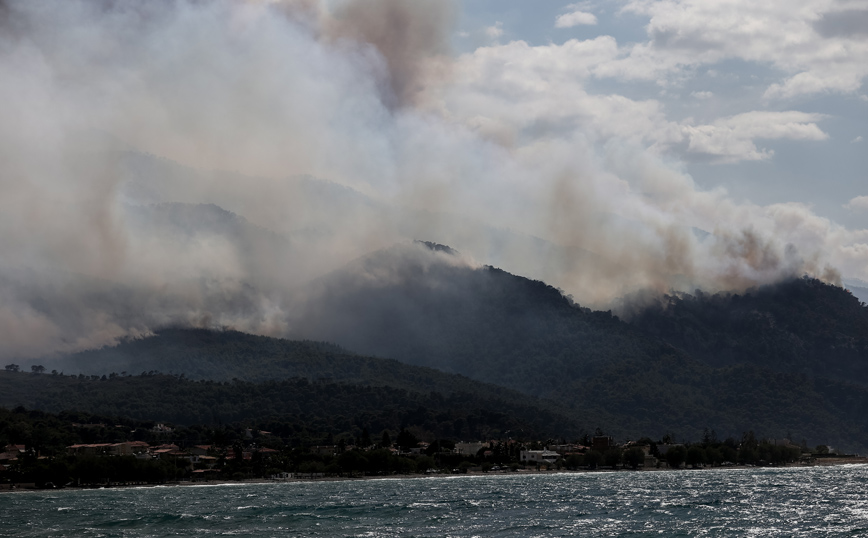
321 407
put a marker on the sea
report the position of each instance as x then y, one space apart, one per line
780 502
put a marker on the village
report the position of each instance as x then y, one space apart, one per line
140 462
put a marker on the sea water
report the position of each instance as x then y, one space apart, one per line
818 501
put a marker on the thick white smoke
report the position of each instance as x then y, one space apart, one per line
118 117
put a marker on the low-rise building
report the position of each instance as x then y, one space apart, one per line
539 456
602 443
469 449
101 449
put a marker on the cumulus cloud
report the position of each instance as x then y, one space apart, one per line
494 31
575 18
817 44
551 80
732 138
859 203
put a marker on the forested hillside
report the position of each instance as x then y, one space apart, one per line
788 360
226 355
310 408
801 326
673 395
484 323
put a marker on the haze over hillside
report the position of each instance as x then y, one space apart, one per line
786 360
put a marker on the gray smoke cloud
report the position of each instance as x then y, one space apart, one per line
199 163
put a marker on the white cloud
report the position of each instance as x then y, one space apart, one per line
495 31
550 81
814 43
575 18
859 203
856 140
732 138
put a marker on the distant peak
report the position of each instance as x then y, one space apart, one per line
437 247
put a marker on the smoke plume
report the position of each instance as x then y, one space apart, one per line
199 163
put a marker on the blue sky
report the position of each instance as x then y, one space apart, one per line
825 171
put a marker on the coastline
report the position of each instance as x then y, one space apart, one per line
30 487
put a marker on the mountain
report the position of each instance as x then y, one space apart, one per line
428 307
789 359
785 360
263 363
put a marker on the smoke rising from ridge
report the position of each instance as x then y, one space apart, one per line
117 119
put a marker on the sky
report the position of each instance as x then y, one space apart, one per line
606 148
766 100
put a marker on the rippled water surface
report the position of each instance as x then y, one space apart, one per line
829 501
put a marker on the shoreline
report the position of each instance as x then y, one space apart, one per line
29 487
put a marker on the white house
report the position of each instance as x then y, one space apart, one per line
538 456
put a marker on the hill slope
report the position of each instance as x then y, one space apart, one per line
802 326
804 376
201 354
320 407
786 360
670 394
429 308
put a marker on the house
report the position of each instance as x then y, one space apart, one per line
201 450
139 447
91 449
469 449
169 451
420 449
203 474
566 449
268 451
208 462
11 454
602 443
539 456
126 448
119 449
280 476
